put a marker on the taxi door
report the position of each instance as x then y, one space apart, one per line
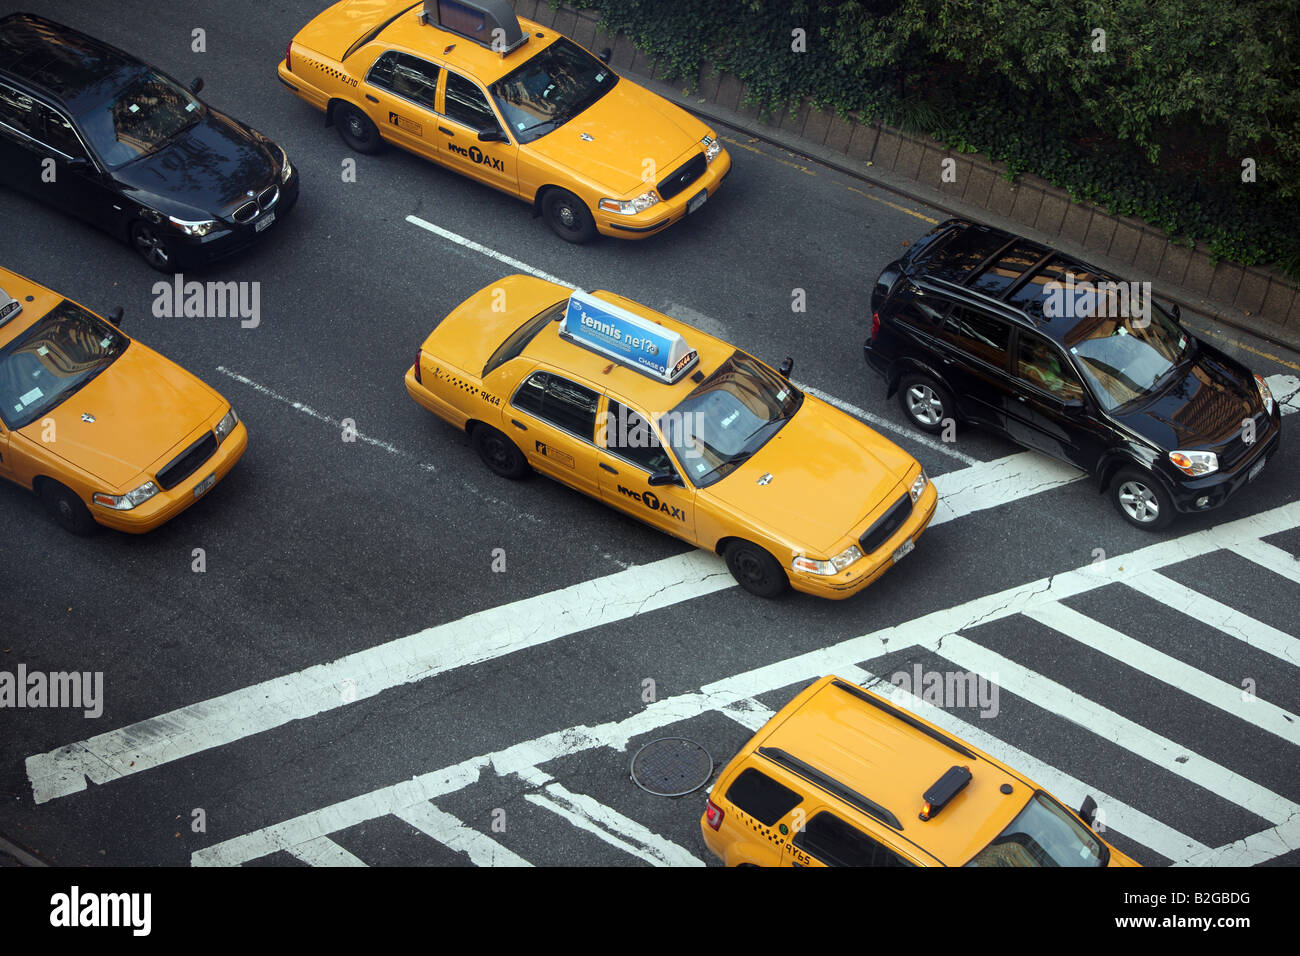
630 450
6 462
401 97
552 419
466 112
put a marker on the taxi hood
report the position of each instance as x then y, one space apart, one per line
627 126
829 472
143 405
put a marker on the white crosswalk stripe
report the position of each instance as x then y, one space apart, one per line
455 835
322 851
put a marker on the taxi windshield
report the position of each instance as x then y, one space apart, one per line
550 89
729 416
1043 834
1123 359
56 357
140 119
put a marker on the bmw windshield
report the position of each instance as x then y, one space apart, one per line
550 89
1044 833
729 416
148 113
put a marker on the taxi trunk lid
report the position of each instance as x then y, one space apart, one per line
471 332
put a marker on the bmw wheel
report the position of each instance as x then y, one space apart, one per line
148 240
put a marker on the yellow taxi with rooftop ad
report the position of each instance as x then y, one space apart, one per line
509 103
105 430
842 776
676 428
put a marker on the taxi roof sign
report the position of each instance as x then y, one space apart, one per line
491 23
9 307
630 339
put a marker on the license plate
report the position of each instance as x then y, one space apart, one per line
696 202
205 484
264 222
1255 470
904 549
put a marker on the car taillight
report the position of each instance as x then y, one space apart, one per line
875 324
288 56
418 354
712 814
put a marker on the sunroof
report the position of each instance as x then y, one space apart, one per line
1002 274
1030 296
963 253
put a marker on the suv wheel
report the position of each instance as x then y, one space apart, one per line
499 453
926 403
1142 499
755 570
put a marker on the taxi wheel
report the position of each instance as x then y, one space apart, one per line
356 129
926 403
568 216
499 453
147 239
755 570
1142 500
66 508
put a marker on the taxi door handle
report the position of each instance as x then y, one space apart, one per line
443 129
518 424
371 98
612 471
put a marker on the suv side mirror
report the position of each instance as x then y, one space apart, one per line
665 477
196 84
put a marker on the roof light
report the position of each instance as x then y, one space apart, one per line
9 307
943 790
629 339
490 23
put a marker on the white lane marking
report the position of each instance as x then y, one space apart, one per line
455 835
1116 814
731 691
607 823
989 484
479 637
749 713
323 851
470 640
490 253
1253 850
1229 620
1286 391
1167 754
1168 670
1271 557
911 434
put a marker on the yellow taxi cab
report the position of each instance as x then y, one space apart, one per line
841 776
676 428
509 103
102 428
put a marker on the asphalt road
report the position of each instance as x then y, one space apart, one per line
319 549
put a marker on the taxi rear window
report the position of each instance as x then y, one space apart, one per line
519 339
764 799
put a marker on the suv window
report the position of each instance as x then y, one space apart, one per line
18 110
408 76
1042 365
467 104
566 405
764 799
920 309
838 843
627 434
982 336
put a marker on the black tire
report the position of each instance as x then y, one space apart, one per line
1142 499
568 216
755 570
150 243
356 129
499 453
66 508
925 402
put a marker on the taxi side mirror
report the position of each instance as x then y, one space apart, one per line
116 316
1089 810
604 55
664 478
196 84
492 136
1176 312
786 367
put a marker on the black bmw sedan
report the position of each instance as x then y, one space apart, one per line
101 135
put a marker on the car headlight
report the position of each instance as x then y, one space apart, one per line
630 207
200 227
287 169
918 486
1195 463
1265 393
711 148
226 426
834 566
127 501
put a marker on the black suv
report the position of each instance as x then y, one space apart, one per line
103 136
977 325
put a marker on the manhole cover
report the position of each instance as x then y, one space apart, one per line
671 767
